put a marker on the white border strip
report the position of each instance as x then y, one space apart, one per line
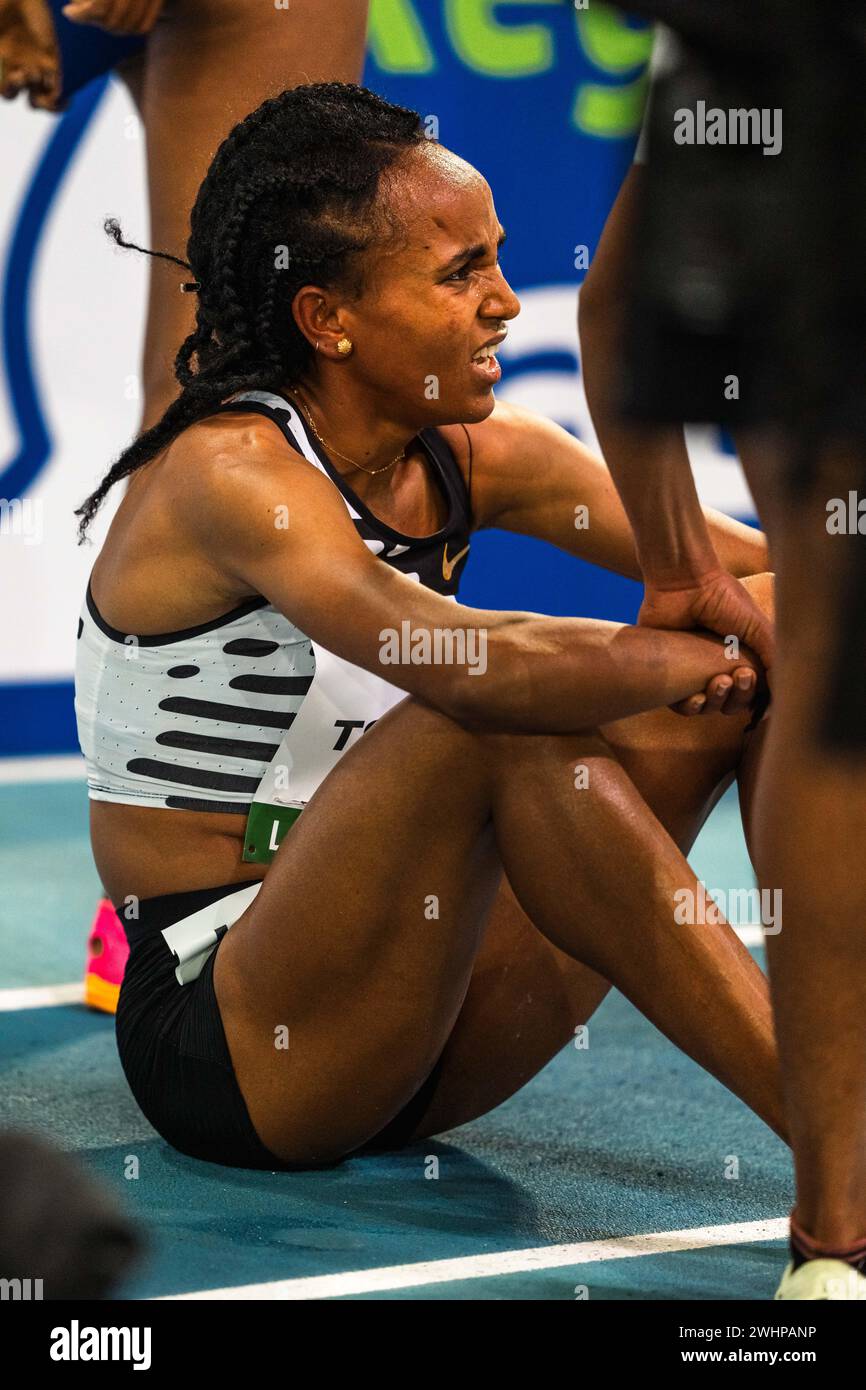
67 767
495 1264
41 996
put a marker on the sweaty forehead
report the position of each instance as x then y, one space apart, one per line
441 200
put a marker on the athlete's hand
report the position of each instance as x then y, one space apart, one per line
116 16
724 605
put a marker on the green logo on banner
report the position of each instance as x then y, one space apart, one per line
514 39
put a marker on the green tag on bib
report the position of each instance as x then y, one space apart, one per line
266 826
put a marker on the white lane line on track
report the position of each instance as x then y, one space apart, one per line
64 768
41 996
498 1262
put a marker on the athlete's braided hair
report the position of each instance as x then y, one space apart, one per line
290 199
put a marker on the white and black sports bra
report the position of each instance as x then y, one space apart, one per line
195 719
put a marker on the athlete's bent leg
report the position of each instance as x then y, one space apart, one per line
362 939
526 997
366 955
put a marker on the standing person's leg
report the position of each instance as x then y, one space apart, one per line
207 64
810 838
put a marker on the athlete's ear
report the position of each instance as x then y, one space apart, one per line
320 320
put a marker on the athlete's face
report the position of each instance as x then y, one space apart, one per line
434 295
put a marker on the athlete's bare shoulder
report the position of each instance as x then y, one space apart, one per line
232 440
215 463
236 481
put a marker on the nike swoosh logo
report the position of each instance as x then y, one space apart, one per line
448 565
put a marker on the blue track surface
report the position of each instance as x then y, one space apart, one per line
625 1137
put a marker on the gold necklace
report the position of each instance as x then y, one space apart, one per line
329 448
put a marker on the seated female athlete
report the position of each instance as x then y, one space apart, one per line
437 834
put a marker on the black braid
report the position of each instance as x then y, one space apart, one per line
112 227
301 172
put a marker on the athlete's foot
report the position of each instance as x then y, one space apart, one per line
816 1280
29 56
107 952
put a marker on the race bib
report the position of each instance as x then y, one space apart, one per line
342 702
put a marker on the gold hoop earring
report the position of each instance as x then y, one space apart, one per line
344 346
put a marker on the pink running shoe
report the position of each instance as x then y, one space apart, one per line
107 952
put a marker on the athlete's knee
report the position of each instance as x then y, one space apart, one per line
420 734
516 749
470 739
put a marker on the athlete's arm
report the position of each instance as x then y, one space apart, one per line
683 559
275 526
532 476
650 465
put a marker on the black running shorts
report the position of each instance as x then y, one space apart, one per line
174 1053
